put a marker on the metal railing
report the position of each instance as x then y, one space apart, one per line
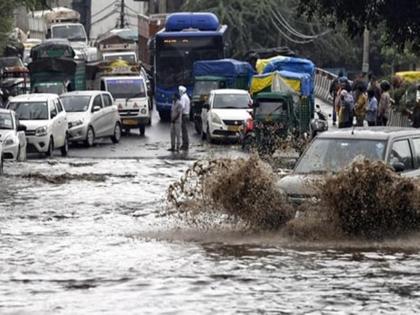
323 80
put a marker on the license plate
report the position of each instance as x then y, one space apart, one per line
129 122
233 128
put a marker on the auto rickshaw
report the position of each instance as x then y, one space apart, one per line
273 120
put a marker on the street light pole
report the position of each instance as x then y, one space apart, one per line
122 14
366 44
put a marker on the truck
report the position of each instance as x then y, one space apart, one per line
62 23
54 69
129 89
216 74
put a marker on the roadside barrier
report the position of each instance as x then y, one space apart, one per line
323 81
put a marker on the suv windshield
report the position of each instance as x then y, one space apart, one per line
126 88
70 32
30 110
75 103
231 101
332 155
6 121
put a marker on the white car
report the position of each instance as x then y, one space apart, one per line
91 115
45 120
12 136
224 114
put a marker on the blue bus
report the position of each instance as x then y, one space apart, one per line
186 38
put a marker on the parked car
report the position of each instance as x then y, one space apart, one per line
332 151
91 115
224 114
12 136
45 120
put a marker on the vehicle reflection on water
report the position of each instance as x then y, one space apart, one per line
92 236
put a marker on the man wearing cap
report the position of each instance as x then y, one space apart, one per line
185 101
176 121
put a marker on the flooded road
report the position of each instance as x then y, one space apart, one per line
88 235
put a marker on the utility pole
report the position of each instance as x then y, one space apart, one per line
122 14
366 44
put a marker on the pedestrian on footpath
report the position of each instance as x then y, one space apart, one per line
176 122
361 104
372 110
185 101
384 104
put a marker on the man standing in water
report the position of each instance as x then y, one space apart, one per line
185 101
176 122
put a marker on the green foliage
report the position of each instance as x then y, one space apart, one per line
398 20
255 24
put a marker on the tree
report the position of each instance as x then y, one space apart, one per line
6 15
398 19
271 23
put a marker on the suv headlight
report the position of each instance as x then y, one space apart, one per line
216 119
41 131
8 142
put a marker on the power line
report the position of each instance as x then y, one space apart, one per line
103 9
288 37
104 17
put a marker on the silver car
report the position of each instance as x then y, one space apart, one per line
91 115
332 151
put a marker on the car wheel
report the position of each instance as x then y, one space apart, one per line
150 121
117 133
65 147
50 151
90 137
142 130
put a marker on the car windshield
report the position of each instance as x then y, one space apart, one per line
126 88
332 155
70 32
204 87
129 58
75 103
234 101
30 110
6 121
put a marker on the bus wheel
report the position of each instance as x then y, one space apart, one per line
142 130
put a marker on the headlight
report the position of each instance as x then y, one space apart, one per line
75 123
143 111
41 131
8 142
216 119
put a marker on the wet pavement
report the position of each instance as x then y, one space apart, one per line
91 234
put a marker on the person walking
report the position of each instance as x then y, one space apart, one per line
345 116
384 104
334 92
186 106
361 104
372 110
176 122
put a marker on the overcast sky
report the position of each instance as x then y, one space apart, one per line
100 25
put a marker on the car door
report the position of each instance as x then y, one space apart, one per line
402 153
111 114
99 116
62 119
416 155
55 127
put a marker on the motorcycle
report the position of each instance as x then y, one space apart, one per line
319 123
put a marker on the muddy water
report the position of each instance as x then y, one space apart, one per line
81 236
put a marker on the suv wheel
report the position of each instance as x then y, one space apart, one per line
50 150
65 147
117 133
90 137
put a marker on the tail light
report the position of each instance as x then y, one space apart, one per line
249 125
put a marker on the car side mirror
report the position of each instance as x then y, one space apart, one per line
398 166
96 109
53 114
21 128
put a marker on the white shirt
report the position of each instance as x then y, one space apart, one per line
185 101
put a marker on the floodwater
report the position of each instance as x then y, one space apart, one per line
98 240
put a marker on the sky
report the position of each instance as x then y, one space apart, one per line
100 10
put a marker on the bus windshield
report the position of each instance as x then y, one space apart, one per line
126 88
175 58
71 32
